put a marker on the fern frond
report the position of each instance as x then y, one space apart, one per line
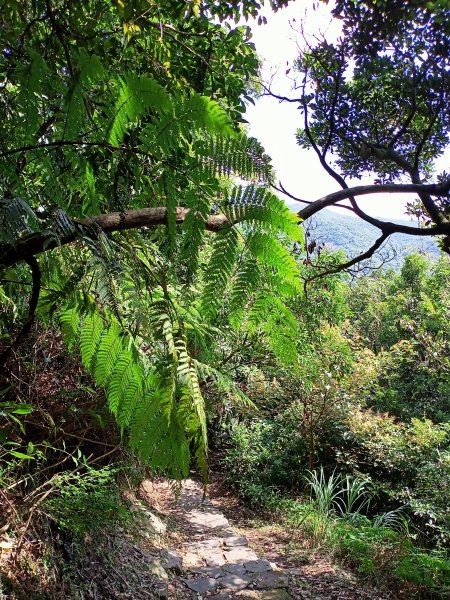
246 282
270 252
70 323
220 267
258 206
203 113
136 97
238 156
108 352
224 384
119 380
132 394
91 333
193 229
278 323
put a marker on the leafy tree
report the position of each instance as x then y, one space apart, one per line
376 102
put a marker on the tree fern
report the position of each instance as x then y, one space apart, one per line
119 380
136 96
271 252
260 207
70 323
224 384
91 334
245 283
108 352
269 315
238 156
218 272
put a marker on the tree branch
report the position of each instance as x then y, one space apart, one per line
36 243
34 299
344 266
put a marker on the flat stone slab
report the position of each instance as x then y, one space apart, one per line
235 540
202 585
192 560
211 543
240 555
213 572
206 519
235 582
235 569
271 579
258 566
214 559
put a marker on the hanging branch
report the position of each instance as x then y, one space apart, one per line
34 299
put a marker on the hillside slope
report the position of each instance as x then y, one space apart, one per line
354 236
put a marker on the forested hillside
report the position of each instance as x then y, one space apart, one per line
344 232
166 318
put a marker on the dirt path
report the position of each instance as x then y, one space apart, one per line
214 552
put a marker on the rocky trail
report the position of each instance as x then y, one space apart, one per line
204 554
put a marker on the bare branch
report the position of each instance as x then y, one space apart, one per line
357 259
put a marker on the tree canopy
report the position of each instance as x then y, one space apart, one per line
375 102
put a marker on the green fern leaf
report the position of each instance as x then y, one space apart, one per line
137 96
238 156
91 333
108 352
119 380
270 252
219 270
258 206
70 325
246 282
278 323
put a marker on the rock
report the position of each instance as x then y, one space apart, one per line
192 560
258 566
279 594
249 595
202 585
153 526
240 555
235 569
236 540
213 572
206 519
271 579
234 582
157 570
212 543
214 559
172 560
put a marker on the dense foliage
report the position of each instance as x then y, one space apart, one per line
152 281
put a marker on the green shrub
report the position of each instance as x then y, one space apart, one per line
431 571
87 502
266 457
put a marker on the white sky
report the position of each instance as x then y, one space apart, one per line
274 124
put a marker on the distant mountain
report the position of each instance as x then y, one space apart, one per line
344 232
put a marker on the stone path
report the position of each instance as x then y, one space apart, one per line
217 562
